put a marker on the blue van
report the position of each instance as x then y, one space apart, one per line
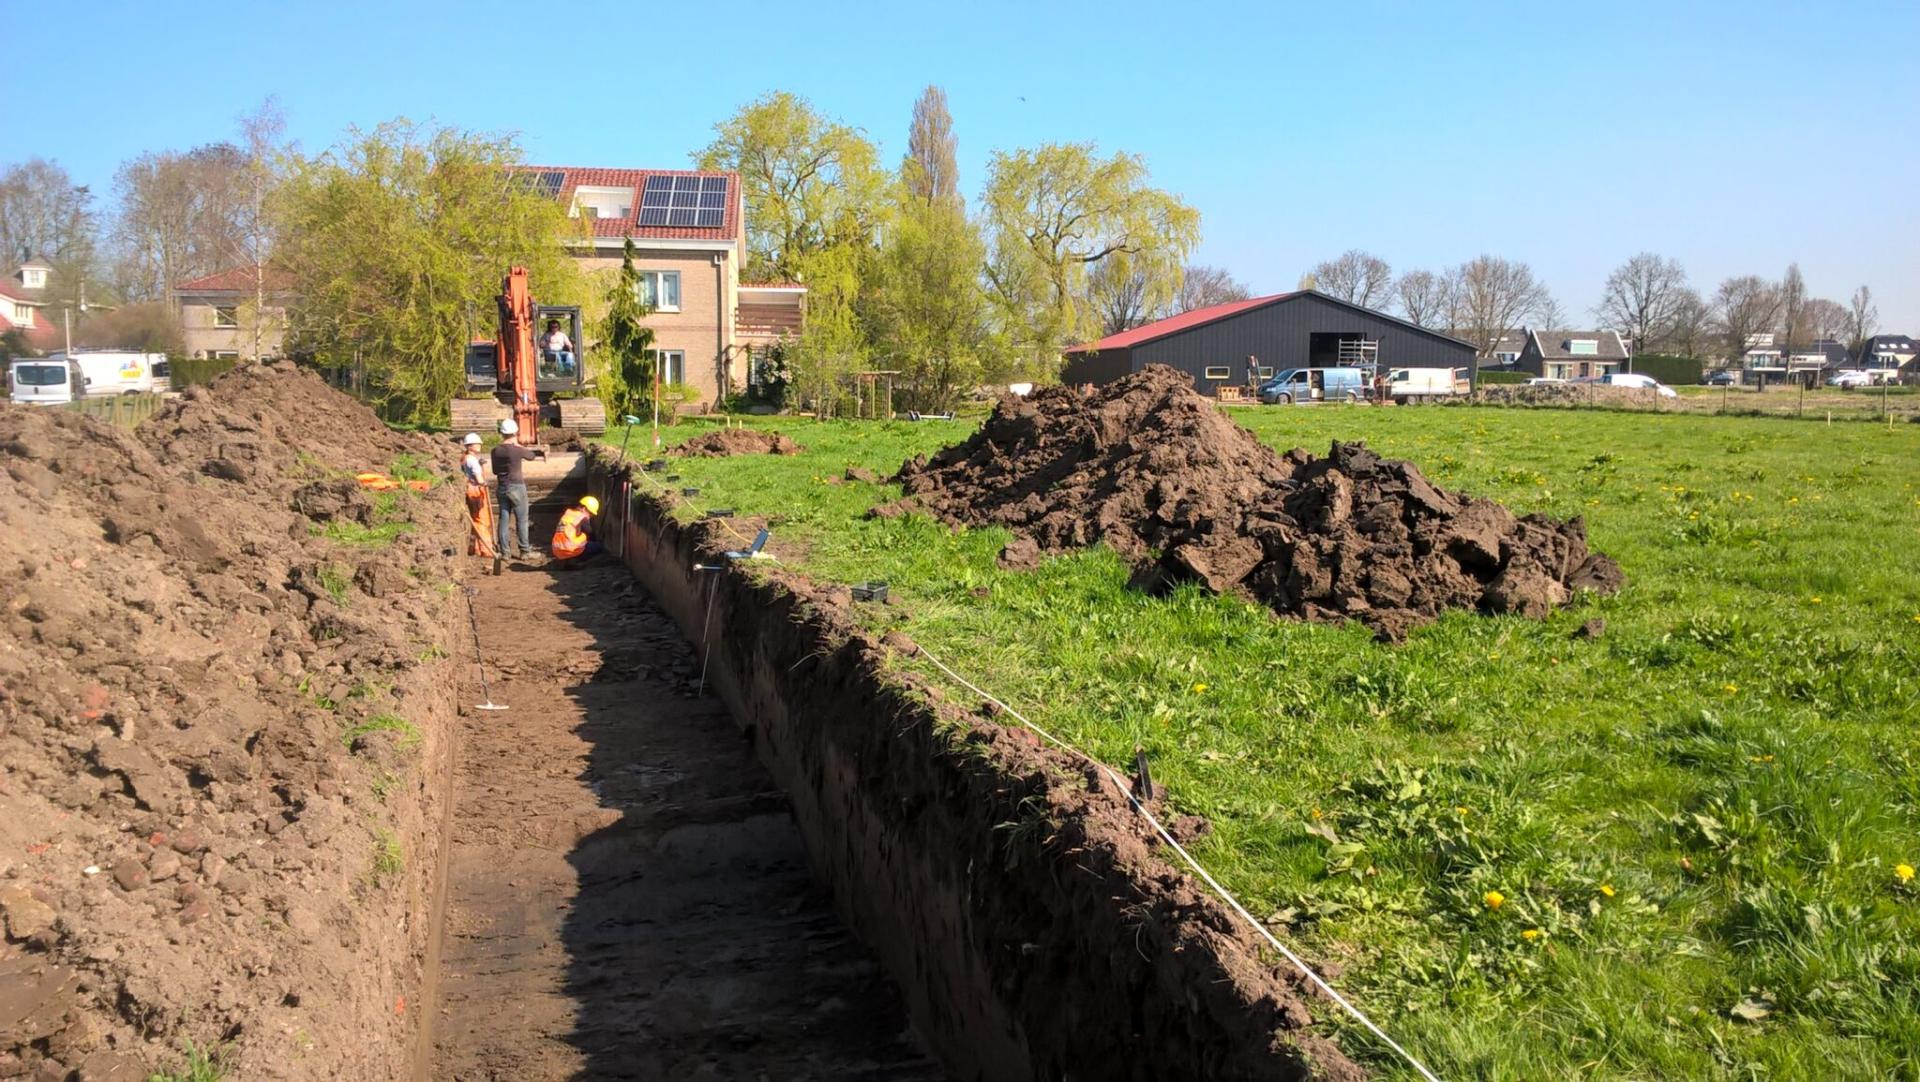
1291 385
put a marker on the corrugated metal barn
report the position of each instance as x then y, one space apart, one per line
1244 342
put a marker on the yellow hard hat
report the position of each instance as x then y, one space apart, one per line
591 503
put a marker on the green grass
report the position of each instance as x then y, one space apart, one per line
389 859
336 581
382 723
198 1067
1699 814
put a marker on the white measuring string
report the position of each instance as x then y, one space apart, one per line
1126 791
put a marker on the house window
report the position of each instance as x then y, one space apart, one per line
1219 371
673 365
225 354
1583 347
602 202
33 278
660 290
226 316
22 313
1263 372
1559 371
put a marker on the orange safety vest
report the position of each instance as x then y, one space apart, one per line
570 537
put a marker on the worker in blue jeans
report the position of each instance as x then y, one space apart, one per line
558 347
512 481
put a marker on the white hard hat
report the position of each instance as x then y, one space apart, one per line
470 439
509 427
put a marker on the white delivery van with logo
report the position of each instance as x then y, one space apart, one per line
117 371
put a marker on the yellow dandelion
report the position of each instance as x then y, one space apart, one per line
1493 898
1532 934
1462 809
1607 889
1903 872
1731 689
1813 600
1198 688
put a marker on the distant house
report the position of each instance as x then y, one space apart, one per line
1806 364
1572 354
1240 343
1763 360
220 314
1890 357
1506 352
24 305
711 330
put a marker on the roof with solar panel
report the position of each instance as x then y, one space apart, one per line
668 204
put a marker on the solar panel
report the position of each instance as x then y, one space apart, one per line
547 182
685 202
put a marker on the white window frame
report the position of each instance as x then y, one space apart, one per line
1559 369
232 322
223 354
672 362
654 282
1219 371
621 199
33 278
1263 371
22 313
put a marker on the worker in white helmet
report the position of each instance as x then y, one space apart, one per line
479 513
510 482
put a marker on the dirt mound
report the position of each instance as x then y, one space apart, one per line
737 441
1156 472
214 721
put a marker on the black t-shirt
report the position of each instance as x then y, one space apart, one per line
506 463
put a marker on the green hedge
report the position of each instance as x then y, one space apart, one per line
188 371
1669 369
1489 377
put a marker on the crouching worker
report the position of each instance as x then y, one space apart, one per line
573 538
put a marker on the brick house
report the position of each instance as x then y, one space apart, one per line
220 313
1572 354
689 229
24 305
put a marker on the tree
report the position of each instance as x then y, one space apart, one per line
1863 318
1425 298
1745 306
147 326
930 172
1793 307
1642 299
929 314
1117 289
1826 321
1052 215
44 213
1356 277
1492 296
626 343
179 218
396 242
260 133
810 184
1202 286
1691 325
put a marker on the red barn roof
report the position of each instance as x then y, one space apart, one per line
573 177
1160 328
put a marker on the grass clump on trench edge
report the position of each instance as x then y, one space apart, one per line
1683 849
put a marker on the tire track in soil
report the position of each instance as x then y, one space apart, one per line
628 896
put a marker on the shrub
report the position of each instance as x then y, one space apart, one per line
1670 369
1489 377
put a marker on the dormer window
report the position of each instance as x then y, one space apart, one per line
33 277
595 201
1583 347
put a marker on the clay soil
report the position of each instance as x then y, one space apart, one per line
217 727
737 441
1153 470
628 892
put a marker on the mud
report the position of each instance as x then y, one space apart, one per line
1021 904
198 840
1154 471
737 441
629 893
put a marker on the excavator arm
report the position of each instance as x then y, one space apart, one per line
519 355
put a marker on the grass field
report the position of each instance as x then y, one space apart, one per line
1678 851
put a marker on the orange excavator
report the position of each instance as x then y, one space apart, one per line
515 376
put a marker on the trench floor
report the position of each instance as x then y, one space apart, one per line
627 892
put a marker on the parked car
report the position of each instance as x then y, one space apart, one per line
1726 377
1291 385
1641 381
1423 384
47 382
1851 379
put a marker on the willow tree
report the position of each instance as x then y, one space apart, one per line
396 241
1054 214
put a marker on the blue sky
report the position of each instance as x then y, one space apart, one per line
1736 137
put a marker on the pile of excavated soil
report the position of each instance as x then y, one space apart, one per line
215 731
1153 470
737 441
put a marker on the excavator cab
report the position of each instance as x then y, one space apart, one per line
557 369
526 372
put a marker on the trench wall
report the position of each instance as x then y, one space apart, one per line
1013 896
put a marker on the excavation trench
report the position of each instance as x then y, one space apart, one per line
628 894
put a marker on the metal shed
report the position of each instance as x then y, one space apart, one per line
1243 342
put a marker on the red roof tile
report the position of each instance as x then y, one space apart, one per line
237 280
13 289
576 176
1160 328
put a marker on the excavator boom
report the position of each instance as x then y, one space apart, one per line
518 359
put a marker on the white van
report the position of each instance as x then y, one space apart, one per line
1420 384
1641 382
44 382
117 371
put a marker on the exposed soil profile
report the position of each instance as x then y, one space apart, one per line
1155 471
737 441
219 736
